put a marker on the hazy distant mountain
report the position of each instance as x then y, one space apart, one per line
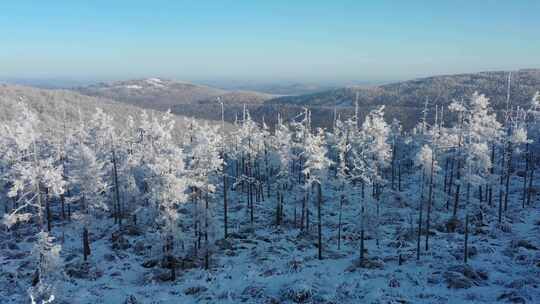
156 93
238 98
47 83
436 90
288 88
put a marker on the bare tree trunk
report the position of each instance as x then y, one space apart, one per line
421 207
378 210
281 199
466 246
529 191
206 226
117 190
399 176
525 175
48 214
509 171
319 218
458 187
446 173
295 215
450 182
86 244
277 208
480 197
63 206
362 228
501 180
339 221
251 202
303 212
307 213
430 200
491 172
225 209
394 147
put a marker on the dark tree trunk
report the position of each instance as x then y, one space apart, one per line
206 227
501 181
225 210
394 147
303 212
281 199
450 182
421 210
295 217
458 188
529 192
251 204
86 244
319 218
508 174
399 176
525 175
307 213
362 228
48 210
446 173
118 215
491 172
277 208
430 200
480 197
466 246
173 269
63 206
339 221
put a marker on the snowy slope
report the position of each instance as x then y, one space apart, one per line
264 264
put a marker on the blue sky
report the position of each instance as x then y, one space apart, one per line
265 40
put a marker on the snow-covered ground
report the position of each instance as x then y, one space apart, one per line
265 264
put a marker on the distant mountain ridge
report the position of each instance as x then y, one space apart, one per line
160 94
403 100
439 90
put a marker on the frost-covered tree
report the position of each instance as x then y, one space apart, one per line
315 166
204 162
32 170
396 140
375 152
249 141
342 143
165 177
533 129
300 133
86 177
477 130
45 284
284 151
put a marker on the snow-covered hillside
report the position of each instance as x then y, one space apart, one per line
161 94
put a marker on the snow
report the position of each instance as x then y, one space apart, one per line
156 82
280 263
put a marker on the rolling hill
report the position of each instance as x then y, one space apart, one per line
403 100
161 94
56 107
439 90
